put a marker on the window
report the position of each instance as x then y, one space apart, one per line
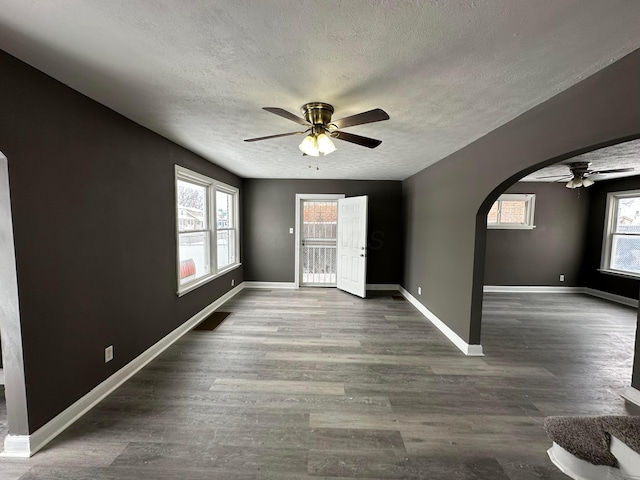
512 211
207 228
621 245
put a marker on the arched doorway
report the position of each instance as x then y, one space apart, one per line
481 222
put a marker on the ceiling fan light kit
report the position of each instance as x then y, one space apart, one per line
579 182
321 130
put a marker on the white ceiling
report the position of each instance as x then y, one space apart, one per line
199 71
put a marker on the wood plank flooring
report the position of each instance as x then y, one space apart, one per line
319 384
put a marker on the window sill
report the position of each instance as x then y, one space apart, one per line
511 227
206 279
617 273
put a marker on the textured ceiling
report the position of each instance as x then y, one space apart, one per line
198 72
623 155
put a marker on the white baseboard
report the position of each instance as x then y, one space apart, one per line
469 350
631 394
383 286
631 302
24 446
531 289
269 285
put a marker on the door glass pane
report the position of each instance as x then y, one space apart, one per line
625 253
194 256
224 210
192 206
319 224
226 248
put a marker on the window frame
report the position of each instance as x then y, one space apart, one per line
530 207
211 187
610 222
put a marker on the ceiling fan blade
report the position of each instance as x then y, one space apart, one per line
288 115
357 139
614 170
273 136
375 115
555 176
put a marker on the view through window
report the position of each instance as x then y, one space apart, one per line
512 211
622 236
198 227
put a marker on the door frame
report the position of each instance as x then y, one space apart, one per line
298 222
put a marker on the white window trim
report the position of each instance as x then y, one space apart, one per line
182 173
529 199
609 223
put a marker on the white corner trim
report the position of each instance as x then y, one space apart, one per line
531 289
383 286
25 446
269 285
631 302
15 446
469 350
631 394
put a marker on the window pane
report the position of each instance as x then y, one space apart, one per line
625 253
192 206
224 206
628 215
194 256
513 211
493 214
226 248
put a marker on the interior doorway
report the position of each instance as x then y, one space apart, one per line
316 239
318 243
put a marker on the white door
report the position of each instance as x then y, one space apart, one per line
352 245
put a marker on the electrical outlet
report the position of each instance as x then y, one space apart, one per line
419 290
108 354
233 282
291 231
562 278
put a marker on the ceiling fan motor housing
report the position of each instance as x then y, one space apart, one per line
317 113
580 169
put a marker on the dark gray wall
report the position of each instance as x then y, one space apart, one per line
269 212
554 247
445 205
93 212
591 277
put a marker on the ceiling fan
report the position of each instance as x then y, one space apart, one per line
580 174
321 129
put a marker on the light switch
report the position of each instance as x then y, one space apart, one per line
291 231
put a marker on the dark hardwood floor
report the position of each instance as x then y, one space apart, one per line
319 384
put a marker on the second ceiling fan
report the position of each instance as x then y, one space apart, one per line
580 173
321 129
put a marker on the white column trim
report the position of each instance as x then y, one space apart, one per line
24 446
467 349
